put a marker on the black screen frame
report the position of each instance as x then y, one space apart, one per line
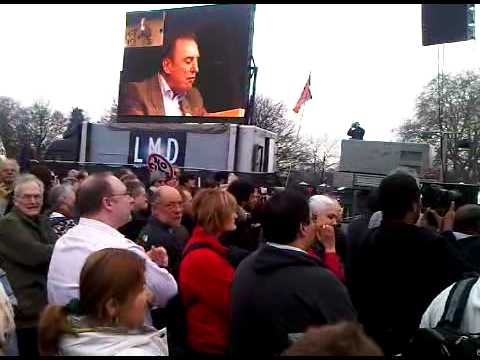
198 119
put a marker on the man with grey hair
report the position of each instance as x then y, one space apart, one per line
9 170
61 202
26 245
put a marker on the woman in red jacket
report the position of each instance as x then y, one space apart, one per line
205 276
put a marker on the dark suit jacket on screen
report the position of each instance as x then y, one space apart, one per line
145 98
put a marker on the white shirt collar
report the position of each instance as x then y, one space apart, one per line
286 247
55 214
459 235
101 226
167 91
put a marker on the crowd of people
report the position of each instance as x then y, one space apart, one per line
104 264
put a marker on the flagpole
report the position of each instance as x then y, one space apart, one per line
297 139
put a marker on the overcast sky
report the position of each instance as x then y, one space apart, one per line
367 61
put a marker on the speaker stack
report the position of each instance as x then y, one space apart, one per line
445 23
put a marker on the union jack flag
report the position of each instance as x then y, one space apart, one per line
306 95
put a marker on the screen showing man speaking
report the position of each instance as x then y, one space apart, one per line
186 62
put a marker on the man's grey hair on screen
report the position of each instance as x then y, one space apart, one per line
319 204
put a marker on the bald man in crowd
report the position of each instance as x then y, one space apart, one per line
467 232
164 225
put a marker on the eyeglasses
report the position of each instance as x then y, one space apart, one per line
30 197
173 206
170 206
123 194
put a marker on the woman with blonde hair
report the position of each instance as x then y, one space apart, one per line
205 275
108 319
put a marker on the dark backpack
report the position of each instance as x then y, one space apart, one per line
446 339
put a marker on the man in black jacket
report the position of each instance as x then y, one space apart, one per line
399 267
356 131
280 290
247 234
140 211
163 227
467 232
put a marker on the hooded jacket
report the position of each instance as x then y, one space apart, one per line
97 343
277 294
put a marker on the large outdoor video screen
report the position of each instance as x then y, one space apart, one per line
186 62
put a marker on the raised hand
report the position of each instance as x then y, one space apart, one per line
449 218
326 235
158 255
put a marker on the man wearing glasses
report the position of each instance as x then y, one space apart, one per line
164 226
104 206
26 245
164 230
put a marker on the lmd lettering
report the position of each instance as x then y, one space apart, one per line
169 149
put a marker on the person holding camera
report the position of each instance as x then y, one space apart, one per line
440 205
356 131
400 267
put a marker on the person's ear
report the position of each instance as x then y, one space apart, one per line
304 229
112 308
167 65
107 202
416 207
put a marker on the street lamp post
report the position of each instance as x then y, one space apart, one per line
443 149
443 155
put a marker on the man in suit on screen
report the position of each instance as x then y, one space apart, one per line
170 91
